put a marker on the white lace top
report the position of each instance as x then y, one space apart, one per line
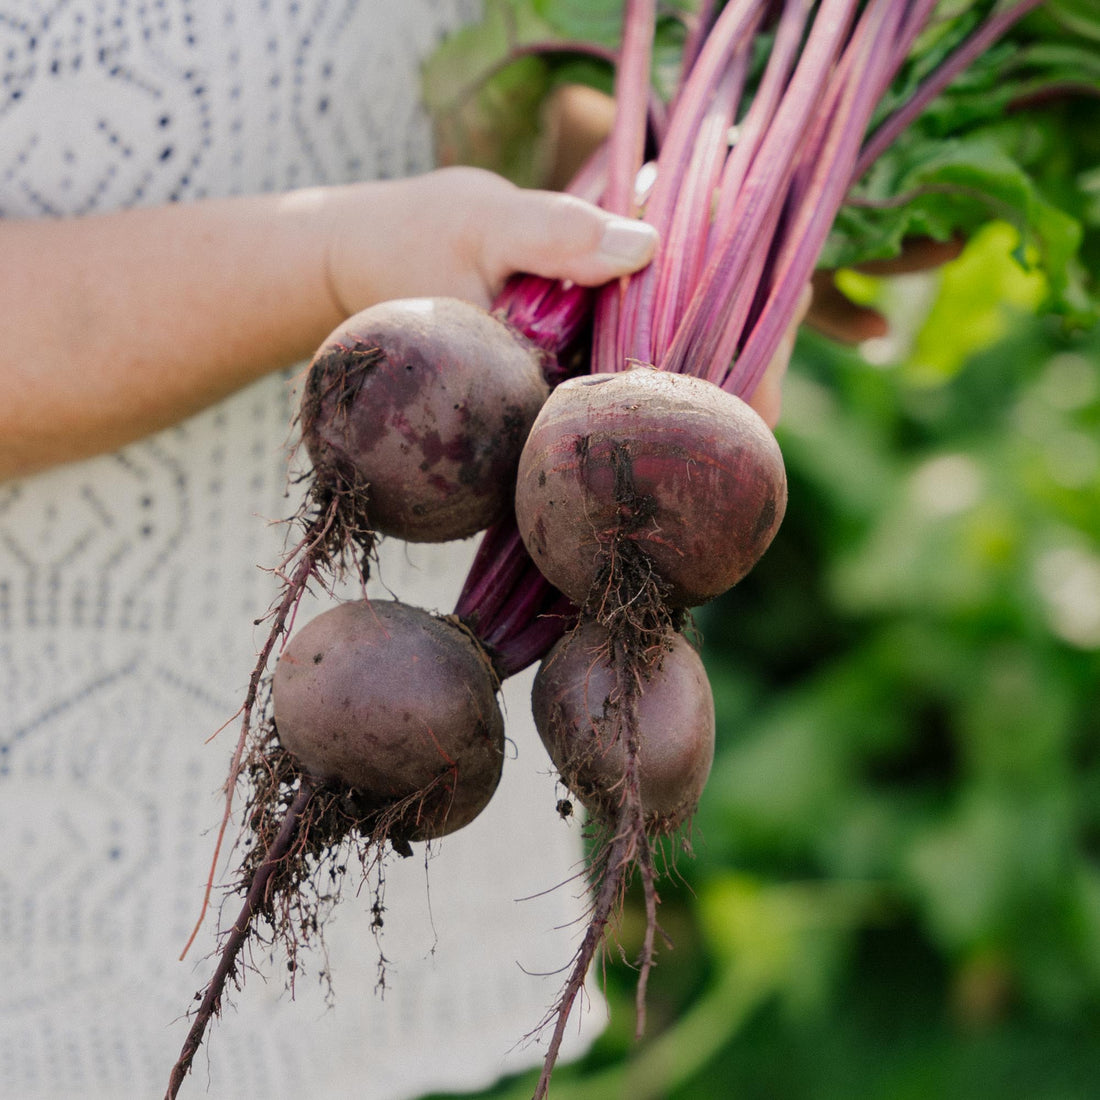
128 589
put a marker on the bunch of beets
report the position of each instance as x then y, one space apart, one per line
602 442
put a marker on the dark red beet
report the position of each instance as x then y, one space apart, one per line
582 719
667 464
421 406
399 705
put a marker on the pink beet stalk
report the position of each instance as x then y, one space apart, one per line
741 227
760 198
750 131
700 109
626 150
849 109
798 149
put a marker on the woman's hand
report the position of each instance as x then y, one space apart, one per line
114 326
462 231
838 317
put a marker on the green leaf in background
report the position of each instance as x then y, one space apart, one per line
959 186
484 92
1080 16
590 20
1015 139
980 292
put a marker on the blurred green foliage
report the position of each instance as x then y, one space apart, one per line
895 885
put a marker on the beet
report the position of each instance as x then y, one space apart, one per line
644 462
382 726
417 411
398 705
582 719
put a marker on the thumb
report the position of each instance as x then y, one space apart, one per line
562 237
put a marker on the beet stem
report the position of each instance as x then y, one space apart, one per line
760 198
499 564
293 589
699 24
611 885
863 66
238 936
532 643
626 152
525 602
995 25
632 82
629 849
717 57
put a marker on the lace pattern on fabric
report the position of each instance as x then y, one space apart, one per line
128 589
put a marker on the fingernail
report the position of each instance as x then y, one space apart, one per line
627 243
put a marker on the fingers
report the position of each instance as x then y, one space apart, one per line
835 315
561 237
577 119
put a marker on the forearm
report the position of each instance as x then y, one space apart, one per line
117 325
114 326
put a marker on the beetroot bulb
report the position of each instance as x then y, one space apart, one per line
664 469
398 706
583 720
414 412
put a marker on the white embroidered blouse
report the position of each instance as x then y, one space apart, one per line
128 589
